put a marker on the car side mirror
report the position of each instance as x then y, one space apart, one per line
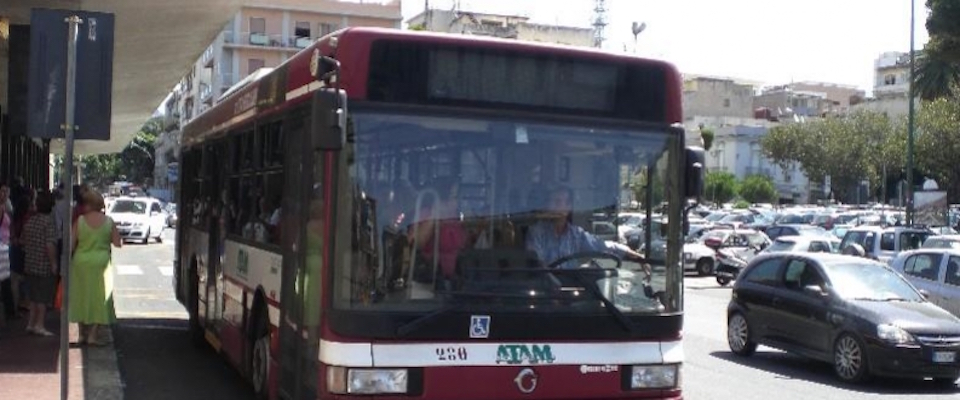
694 172
815 290
925 294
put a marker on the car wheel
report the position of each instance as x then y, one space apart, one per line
146 237
704 266
738 335
850 359
723 281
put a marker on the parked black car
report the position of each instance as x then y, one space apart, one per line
853 312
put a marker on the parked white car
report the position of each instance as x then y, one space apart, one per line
138 218
804 243
936 272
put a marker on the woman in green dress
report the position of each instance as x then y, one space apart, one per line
91 274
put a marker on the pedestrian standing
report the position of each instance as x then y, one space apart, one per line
41 265
91 273
6 220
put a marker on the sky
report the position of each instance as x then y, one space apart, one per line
767 41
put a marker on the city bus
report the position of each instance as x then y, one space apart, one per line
363 220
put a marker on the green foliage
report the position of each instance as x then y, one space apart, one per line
742 205
938 68
938 143
720 187
134 163
418 27
707 135
758 189
848 149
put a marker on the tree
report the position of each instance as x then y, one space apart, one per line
720 187
136 160
707 135
938 143
758 189
938 68
847 149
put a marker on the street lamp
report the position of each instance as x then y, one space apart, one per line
910 118
636 29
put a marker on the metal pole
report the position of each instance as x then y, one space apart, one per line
910 117
68 127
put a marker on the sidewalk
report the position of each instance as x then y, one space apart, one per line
30 365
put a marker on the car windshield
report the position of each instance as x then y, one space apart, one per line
631 220
939 243
790 219
129 206
461 211
813 230
714 217
869 281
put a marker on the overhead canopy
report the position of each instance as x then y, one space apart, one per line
156 43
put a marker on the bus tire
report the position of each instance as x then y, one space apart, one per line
193 304
259 347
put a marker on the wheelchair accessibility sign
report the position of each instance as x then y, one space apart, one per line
479 326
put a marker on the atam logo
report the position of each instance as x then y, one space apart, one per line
514 354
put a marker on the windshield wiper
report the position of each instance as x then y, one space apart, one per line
607 304
409 327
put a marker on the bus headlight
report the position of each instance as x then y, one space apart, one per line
654 376
367 381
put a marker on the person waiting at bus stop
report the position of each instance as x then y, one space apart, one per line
558 237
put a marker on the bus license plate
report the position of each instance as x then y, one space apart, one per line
944 356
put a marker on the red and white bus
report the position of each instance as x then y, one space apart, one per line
363 220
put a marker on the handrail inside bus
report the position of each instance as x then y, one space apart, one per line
436 238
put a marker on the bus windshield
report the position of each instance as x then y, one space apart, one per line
477 212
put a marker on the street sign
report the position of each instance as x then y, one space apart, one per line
46 97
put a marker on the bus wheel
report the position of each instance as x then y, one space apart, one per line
260 352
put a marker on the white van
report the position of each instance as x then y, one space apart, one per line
934 271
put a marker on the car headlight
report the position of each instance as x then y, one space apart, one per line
654 376
367 381
894 334
136 224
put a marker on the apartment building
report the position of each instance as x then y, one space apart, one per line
501 26
891 85
713 96
262 35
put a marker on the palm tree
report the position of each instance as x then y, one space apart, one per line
937 75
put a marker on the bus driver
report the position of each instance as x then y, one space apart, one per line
558 237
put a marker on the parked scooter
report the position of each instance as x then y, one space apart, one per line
729 266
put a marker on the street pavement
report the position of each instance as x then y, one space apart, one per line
157 360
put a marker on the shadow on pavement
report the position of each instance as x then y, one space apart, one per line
158 360
23 353
788 366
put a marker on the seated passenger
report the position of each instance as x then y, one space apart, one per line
558 238
438 235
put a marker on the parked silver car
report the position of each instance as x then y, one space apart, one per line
936 272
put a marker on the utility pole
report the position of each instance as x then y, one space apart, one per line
73 24
599 22
911 117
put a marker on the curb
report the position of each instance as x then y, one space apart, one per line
101 372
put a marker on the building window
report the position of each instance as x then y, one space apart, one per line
326 29
258 25
254 64
890 79
726 103
302 30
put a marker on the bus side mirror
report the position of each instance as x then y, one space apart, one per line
693 172
328 119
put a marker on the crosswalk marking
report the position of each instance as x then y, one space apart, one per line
129 270
166 271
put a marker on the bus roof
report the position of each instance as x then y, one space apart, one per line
291 82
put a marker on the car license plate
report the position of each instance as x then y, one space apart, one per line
944 356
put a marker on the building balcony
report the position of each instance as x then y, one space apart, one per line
507 32
263 40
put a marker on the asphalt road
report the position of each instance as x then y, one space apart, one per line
156 358
158 361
